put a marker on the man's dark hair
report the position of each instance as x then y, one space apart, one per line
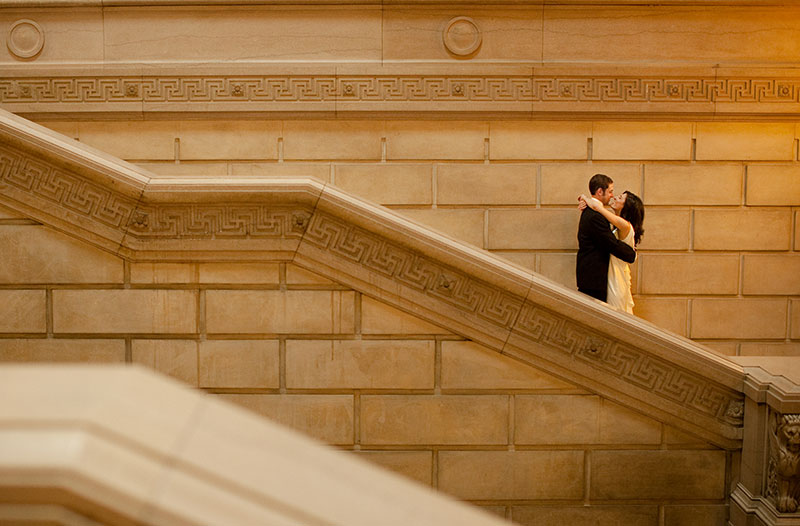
599 181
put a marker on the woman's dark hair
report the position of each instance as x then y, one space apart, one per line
633 212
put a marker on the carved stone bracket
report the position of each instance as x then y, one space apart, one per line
783 472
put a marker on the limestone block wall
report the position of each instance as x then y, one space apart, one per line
359 375
719 261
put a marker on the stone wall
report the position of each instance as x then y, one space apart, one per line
719 261
360 375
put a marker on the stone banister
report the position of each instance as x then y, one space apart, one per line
122 445
469 291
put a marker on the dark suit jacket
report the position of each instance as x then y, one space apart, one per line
596 243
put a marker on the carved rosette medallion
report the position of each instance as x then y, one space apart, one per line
461 36
783 470
25 39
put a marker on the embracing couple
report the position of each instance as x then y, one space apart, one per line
607 241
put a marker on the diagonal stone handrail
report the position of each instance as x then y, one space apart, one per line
123 209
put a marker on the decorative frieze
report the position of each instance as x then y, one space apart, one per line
572 91
64 189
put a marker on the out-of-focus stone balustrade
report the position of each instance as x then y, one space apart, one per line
116 445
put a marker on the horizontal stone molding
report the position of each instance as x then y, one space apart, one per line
524 91
434 3
379 253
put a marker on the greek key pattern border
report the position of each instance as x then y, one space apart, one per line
397 88
535 324
64 189
68 190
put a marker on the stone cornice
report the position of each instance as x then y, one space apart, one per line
379 253
556 91
435 3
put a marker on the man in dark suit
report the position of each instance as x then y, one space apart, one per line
596 243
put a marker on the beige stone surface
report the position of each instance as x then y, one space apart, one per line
513 475
213 140
261 273
468 365
559 267
797 231
667 313
436 139
524 259
533 229
695 515
299 276
659 474
66 350
37 254
507 34
132 140
770 349
619 425
124 311
724 348
359 364
666 229
738 318
693 184
689 274
465 224
337 140
745 141
379 318
773 185
273 311
161 273
74 35
580 419
539 140
556 419
642 140
562 183
7 213
794 305
742 229
233 33
325 417
187 168
486 184
238 364
321 170
176 358
687 35
771 274
425 419
387 184
22 311
631 515
416 465
674 436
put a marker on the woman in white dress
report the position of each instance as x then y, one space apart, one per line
627 219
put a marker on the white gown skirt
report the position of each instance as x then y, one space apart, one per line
619 281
